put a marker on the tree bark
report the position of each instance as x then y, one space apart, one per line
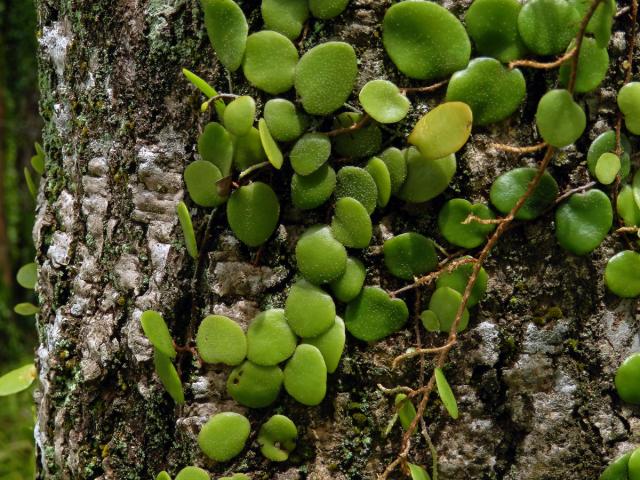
533 373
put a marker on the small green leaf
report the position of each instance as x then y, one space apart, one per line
326 9
284 121
31 184
313 190
418 473
618 469
510 186
187 229
443 308
601 21
239 115
622 274
163 476
409 254
629 104
356 182
592 66
380 174
201 177
406 410
309 153
374 315
627 379
221 340
37 161
224 436
360 143
560 120
207 89
26 309
274 155
247 150
305 375
425 40
347 287
309 310
255 386
446 395
351 224
606 143
426 179
27 276
383 101
285 16
320 257
270 339
192 473
253 212
216 146
227 29
277 438
396 163
627 207
17 380
325 76
168 376
547 26
458 279
442 131
156 330
331 344
607 168
270 61
470 235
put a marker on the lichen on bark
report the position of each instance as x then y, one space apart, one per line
533 374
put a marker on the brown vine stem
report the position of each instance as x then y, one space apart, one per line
629 66
628 230
570 192
471 218
427 279
252 169
351 128
543 65
427 89
220 96
420 351
519 150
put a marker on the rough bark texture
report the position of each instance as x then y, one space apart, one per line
533 374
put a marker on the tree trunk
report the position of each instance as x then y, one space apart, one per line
533 373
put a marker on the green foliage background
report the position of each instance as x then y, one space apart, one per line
19 129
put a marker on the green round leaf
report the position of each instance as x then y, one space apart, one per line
285 16
425 40
547 26
247 150
27 276
187 229
309 153
215 146
270 340
221 340
192 473
168 376
442 131
284 121
606 142
470 235
493 27
253 212
417 472
583 221
26 309
351 224
331 344
443 308
224 436
560 120
493 91
200 177
326 9
239 115
627 379
227 29
277 438
313 190
156 330
321 258
446 394
356 182
458 279
396 163
634 464
383 101
359 143
305 375
347 287
592 67
163 476
622 274
380 174
426 179
255 386
627 207
325 76
17 380
374 315
618 469
270 61
409 254
607 168
601 21
629 104
510 186
406 410
309 310
269 145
